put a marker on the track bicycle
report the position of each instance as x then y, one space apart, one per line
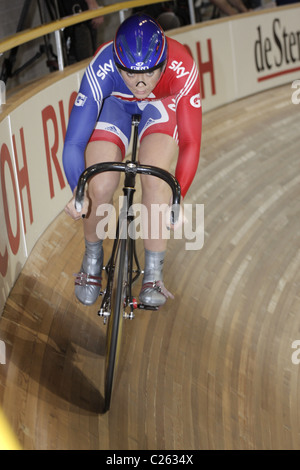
123 267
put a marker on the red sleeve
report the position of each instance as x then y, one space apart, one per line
189 121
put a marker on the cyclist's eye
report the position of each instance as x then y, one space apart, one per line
150 74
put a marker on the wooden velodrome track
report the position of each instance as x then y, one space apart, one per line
213 369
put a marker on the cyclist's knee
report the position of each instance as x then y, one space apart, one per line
102 187
154 189
151 184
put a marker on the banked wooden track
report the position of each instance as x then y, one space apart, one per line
213 369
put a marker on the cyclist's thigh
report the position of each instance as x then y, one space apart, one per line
158 134
158 150
108 142
107 182
99 151
114 123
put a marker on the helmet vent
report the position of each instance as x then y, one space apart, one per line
127 52
151 48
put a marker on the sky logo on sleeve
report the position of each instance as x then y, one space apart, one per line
105 69
178 68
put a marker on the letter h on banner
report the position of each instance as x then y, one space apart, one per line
206 67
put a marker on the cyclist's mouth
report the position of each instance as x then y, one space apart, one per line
141 94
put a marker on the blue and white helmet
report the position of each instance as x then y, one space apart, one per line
140 44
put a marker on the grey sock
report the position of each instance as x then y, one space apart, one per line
91 264
92 260
154 261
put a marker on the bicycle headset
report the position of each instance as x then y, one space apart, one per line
140 45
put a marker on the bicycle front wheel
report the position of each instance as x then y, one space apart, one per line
114 326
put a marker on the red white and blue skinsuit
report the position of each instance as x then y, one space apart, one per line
104 105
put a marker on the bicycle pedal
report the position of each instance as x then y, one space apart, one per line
147 307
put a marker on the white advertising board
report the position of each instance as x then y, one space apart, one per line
38 128
13 252
212 52
266 50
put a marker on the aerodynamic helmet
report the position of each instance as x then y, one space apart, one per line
140 44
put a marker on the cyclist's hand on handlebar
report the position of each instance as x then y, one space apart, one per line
181 219
71 210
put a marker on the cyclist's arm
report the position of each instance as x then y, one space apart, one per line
81 124
189 119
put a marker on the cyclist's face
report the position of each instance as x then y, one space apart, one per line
141 84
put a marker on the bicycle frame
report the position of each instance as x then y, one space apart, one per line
117 296
131 168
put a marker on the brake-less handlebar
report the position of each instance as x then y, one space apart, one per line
130 167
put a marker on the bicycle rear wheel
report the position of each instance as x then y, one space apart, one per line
115 320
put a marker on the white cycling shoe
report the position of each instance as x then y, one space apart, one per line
154 294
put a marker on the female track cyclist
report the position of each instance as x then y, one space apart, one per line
141 72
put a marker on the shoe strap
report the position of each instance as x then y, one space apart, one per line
84 279
158 286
